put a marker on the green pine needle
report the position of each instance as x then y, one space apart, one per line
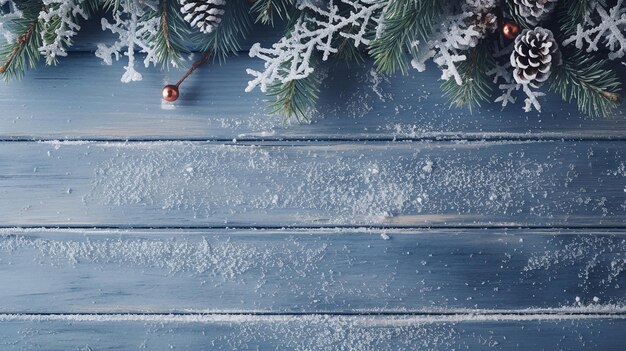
477 85
295 99
347 52
266 11
587 81
520 20
405 22
110 5
235 25
18 56
169 41
571 13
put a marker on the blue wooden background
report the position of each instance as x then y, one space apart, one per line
390 222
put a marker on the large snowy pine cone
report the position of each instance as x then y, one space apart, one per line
535 52
206 15
534 10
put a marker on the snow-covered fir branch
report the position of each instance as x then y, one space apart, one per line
608 28
133 33
59 26
13 13
455 34
289 59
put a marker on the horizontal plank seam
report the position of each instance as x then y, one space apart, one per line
342 227
236 140
547 312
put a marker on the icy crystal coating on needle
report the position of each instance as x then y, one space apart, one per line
290 58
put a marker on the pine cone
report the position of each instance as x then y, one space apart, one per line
535 51
204 14
534 10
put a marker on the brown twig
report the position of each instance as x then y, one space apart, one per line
193 67
21 42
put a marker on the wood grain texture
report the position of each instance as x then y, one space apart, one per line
183 184
312 333
83 99
311 271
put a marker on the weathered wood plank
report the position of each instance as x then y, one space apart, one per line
508 332
83 99
176 184
309 271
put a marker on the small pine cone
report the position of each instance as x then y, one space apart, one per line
535 51
204 14
483 19
534 11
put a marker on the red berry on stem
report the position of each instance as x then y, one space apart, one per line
170 93
510 30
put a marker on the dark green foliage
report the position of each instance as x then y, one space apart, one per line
405 22
520 20
265 11
477 85
593 86
227 37
169 41
296 98
347 52
572 12
110 5
18 56
49 29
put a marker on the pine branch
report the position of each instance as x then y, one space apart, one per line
59 25
17 56
93 6
594 87
110 5
295 98
520 20
405 22
235 25
572 12
266 10
477 85
168 41
347 52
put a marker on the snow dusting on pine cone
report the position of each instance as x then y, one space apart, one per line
203 14
535 51
534 10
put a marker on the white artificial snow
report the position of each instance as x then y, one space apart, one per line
609 27
133 33
531 101
335 183
455 33
602 260
63 15
449 38
224 259
337 322
502 72
290 58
